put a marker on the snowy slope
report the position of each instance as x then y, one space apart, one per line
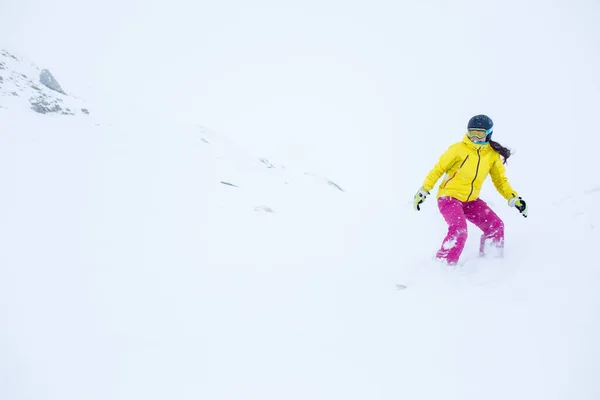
100 220
131 271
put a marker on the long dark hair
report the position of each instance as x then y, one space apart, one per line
503 151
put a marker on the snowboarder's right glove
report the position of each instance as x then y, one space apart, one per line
519 204
419 198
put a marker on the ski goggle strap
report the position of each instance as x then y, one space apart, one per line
479 133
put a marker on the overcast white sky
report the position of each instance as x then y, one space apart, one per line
344 88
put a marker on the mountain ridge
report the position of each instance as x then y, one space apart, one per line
24 85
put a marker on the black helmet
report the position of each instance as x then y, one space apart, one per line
482 123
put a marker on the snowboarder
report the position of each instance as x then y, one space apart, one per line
467 165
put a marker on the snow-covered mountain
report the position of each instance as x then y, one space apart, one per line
24 85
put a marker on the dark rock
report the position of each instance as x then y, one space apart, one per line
45 105
7 54
266 162
45 108
228 184
49 81
335 185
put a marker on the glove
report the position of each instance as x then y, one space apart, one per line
419 198
519 204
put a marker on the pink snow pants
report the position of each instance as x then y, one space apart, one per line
457 213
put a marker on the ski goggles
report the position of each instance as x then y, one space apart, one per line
479 133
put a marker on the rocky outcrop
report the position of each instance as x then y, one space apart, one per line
44 105
22 84
48 80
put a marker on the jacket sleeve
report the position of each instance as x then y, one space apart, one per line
498 173
444 164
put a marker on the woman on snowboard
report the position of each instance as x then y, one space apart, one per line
467 165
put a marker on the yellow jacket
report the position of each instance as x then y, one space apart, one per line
466 166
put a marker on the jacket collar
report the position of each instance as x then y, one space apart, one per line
474 146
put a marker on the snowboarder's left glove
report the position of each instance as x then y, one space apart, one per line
419 198
519 204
